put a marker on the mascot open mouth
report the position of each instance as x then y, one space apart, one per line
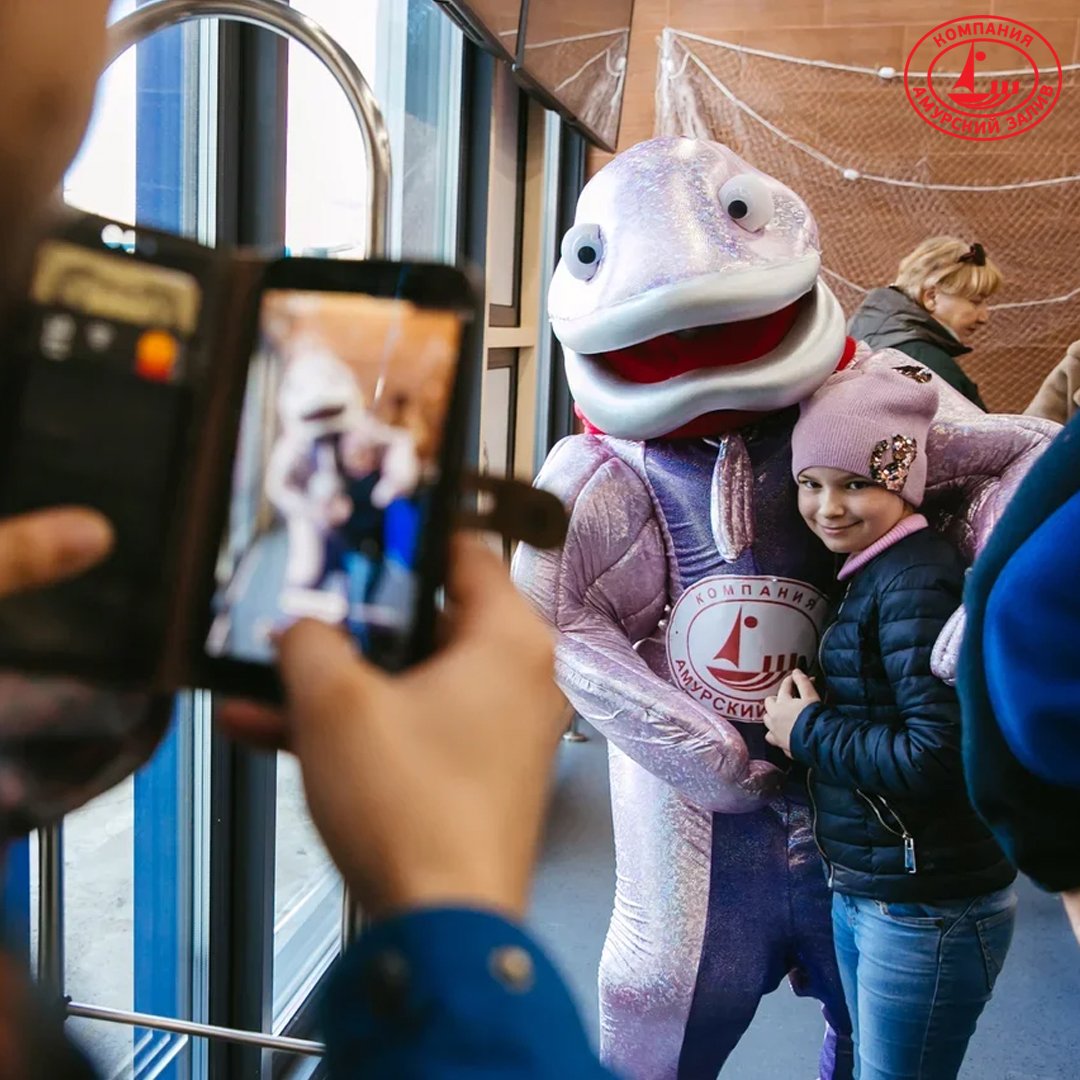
721 345
710 376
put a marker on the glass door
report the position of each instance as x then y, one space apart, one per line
410 54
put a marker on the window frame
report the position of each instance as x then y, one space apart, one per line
233 192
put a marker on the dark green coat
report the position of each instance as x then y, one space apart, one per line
888 319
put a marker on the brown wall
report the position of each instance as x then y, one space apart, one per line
865 32
1014 353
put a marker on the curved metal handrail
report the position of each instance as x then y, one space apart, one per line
290 23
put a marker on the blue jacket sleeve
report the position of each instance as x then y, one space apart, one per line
1029 642
449 995
920 756
1025 813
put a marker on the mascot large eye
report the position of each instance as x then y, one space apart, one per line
747 200
582 250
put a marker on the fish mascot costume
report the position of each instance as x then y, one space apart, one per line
693 318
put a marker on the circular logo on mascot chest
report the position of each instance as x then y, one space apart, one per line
730 640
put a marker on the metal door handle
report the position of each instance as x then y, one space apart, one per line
290 23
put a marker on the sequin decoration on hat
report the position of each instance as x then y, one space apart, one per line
913 371
892 475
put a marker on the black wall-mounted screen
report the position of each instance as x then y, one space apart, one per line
493 23
572 53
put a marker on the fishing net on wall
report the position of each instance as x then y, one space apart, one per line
879 180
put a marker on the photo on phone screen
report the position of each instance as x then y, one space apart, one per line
337 463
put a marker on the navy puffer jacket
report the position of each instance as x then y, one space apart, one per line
892 816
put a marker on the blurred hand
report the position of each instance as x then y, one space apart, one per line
48 546
337 511
429 787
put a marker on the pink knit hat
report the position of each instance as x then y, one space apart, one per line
870 421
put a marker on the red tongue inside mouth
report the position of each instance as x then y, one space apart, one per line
711 347
713 423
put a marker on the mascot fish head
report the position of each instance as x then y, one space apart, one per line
688 298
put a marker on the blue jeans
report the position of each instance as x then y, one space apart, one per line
917 977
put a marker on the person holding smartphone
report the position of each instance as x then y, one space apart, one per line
428 788
923 911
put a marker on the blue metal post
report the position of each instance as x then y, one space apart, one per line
16 900
162 821
161 825
160 150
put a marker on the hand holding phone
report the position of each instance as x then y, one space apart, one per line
436 740
49 546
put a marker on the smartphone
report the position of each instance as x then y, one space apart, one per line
346 453
98 392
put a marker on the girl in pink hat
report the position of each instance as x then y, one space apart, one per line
923 908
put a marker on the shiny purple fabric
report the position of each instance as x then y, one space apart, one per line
673 762
711 849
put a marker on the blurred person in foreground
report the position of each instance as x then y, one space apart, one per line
428 788
933 309
1019 679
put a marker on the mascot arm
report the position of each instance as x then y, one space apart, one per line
976 461
278 486
606 589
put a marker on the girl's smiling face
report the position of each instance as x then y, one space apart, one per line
846 512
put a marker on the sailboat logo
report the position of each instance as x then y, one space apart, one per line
966 96
773 666
1010 77
732 638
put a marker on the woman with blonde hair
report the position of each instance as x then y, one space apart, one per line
931 311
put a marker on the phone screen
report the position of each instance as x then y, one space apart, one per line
337 463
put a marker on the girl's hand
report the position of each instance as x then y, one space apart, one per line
795 693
